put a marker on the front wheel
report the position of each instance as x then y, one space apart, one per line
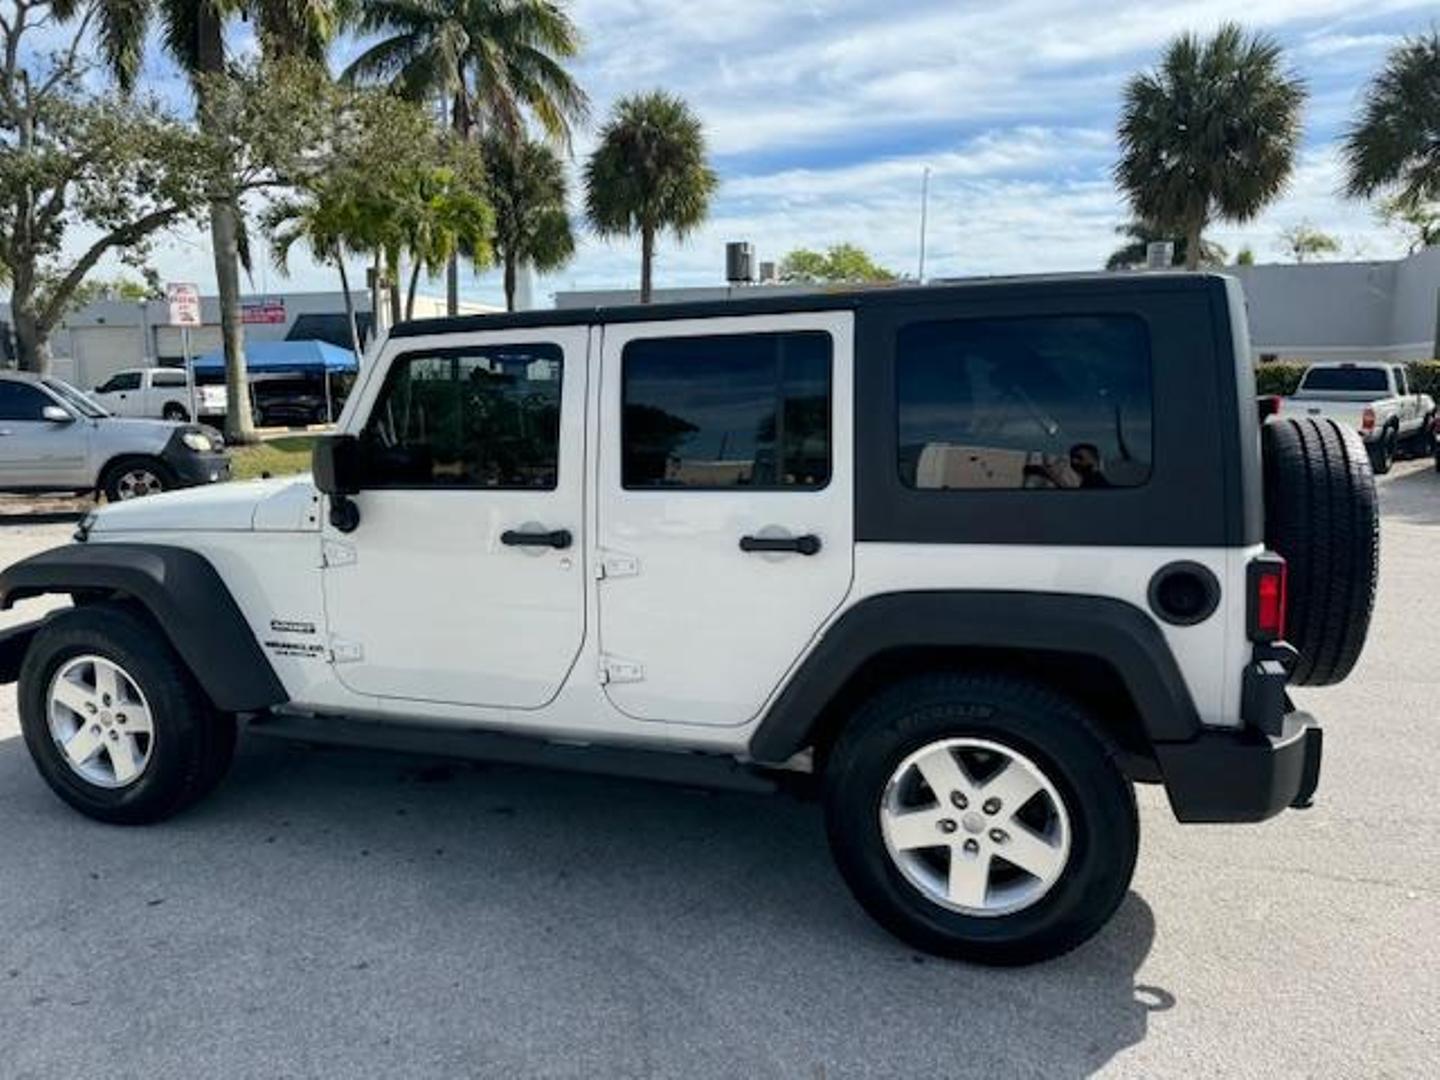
981 817
136 477
114 721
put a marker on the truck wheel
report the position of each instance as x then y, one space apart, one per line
136 477
174 411
1382 452
980 817
114 721
1321 514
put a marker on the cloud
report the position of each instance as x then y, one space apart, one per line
822 116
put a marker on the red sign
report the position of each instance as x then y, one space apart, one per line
270 310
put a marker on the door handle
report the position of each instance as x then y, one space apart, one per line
809 544
556 538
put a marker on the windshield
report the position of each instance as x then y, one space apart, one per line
75 399
1359 380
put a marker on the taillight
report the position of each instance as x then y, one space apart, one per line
1267 582
1269 405
1367 419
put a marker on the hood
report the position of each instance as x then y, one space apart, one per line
283 504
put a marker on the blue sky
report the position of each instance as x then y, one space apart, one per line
822 115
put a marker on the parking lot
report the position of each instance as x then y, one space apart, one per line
343 913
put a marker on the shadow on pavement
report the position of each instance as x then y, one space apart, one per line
328 912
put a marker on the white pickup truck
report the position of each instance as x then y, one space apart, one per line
1373 398
158 392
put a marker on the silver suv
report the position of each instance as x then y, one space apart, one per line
54 438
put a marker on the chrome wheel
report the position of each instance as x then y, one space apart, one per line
975 826
137 482
100 722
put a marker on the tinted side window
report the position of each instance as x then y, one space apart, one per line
167 378
1054 402
126 380
21 402
742 410
486 417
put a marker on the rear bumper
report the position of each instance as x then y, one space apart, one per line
1245 775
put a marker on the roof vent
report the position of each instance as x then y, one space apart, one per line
740 263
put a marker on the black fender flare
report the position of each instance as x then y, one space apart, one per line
185 596
1110 630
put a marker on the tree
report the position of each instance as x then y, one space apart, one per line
492 61
1133 255
839 264
1419 221
525 182
1394 146
75 161
1303 241
1211 134
440 212
649 174
1245 257
193 32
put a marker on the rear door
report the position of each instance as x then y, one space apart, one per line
724 509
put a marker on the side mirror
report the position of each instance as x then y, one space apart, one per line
56 415
335 463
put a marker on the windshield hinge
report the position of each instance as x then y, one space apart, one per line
614 564
335 553
345 652
616 669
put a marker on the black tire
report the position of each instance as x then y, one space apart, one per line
1321 514
193 742
1024 716
116 471
1382 452
175 411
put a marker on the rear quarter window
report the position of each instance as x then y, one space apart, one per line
1026 403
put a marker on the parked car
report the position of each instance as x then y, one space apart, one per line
289 400
1374 399
972 581
158 392
54 438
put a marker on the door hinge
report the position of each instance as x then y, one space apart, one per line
335 553
613 564
345 652
616 669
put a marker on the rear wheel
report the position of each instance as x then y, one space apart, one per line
981 817
174 411
113 720
136 477
1382 451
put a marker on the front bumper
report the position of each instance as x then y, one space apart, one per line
1244 775
192 469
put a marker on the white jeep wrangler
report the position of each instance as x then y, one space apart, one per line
973 558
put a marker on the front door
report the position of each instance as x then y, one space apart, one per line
725 507
34 451
464 581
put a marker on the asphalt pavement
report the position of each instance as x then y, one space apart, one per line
345 913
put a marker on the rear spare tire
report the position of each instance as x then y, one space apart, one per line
1321 515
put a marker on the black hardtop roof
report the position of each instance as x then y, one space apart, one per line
850 298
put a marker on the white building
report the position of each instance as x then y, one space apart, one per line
1386 310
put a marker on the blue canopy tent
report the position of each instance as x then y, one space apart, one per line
286 358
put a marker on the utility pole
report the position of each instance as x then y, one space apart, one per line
924 220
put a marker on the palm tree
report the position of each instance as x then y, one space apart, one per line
1211 134
649 174
439 213
491 61
325 219
193 32
1395 145
526 185
1139 236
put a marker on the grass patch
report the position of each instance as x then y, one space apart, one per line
284 456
